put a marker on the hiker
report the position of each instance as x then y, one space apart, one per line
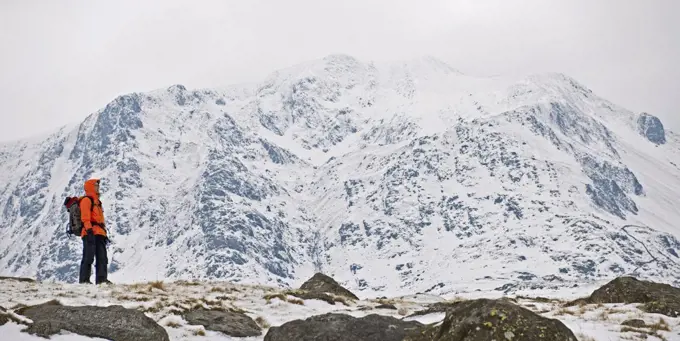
93 235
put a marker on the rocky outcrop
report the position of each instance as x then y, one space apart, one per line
111 323
341 327
228 322
320 283
486 319
657 298
651 128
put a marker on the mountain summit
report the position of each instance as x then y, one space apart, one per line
390 177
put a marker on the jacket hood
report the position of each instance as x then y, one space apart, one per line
90 188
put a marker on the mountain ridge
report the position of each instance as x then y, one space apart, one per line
367 171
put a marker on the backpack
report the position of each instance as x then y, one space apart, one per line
72 205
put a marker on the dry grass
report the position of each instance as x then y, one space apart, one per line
157 307
172 324
603 315
341 300
157 284
262 322
283 297
296 301
584 337
139 298
642 333
188 283
565 311
199 332
660 325
218 289
650 329
539 299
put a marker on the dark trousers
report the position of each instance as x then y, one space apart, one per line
94 247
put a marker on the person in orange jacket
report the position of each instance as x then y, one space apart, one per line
94 235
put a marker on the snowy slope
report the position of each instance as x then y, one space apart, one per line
395 178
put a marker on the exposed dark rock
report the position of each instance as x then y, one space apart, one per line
486 319
228 322
111 323
320 283
637 323
3 317
341 327
658 298
651 127
386 306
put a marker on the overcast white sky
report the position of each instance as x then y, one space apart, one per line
61 60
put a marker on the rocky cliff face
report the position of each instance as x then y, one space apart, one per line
402 177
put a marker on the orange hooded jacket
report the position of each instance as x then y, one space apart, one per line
94 219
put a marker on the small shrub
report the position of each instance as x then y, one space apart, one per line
403 311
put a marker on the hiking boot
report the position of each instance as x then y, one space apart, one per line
106 281
84 282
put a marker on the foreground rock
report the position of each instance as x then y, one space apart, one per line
658 298
111 323
341 327
485 319
320 284
228 322
3 317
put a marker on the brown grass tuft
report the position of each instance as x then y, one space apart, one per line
264 324
660 325
296 301
584 337
172 324
157 284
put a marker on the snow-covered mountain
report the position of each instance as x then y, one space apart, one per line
391 177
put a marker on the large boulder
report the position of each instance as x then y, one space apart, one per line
111 323
487 319
231 323
657 298
342 327
651 127
320 284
